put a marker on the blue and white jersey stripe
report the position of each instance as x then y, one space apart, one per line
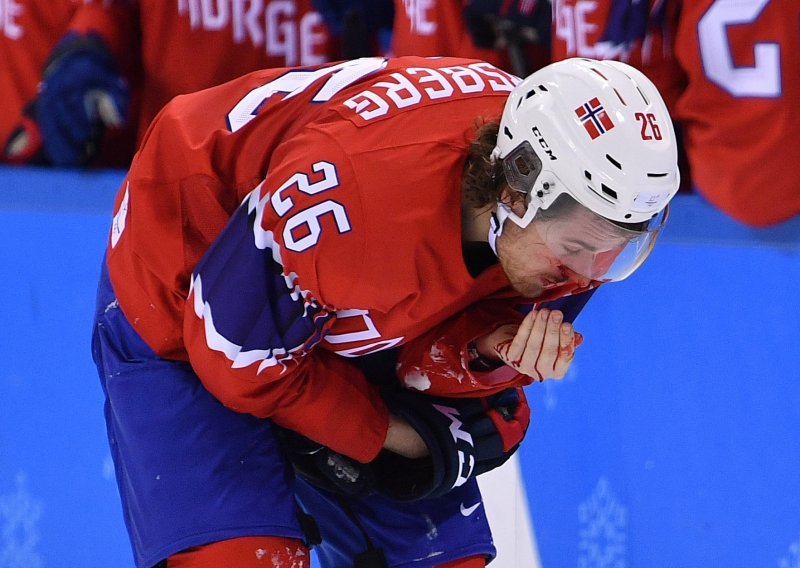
252 312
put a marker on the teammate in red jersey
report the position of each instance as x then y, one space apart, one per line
739 109
159 50
724 69
278 235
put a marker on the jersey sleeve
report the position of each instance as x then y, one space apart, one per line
259 305
439 362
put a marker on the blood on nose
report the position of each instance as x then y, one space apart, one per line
572 276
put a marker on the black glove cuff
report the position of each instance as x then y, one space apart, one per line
451 462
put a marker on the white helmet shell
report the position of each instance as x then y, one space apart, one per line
600 131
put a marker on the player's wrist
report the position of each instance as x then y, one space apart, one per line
480 357
402 439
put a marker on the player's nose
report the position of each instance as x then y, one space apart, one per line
572 276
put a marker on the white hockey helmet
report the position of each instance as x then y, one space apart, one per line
597 133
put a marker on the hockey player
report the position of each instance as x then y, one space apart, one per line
279 234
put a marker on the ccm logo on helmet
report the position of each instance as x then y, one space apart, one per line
543 143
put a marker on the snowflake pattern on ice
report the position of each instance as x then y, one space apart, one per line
793 558
603 522
19 536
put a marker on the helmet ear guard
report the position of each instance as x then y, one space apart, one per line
524 174
522 168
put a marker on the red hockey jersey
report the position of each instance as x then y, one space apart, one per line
182 46
304 213
739 109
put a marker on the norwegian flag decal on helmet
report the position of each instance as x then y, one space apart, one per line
594 118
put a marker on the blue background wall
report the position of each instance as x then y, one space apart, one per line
674 441
58 499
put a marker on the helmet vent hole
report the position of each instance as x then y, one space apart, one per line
508 133
644 97
627 215
598 72
587 174
593 190
608 191
543 88
530 93
613 161
653 175
620 98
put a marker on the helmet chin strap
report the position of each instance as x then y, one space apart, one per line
498 220
499 217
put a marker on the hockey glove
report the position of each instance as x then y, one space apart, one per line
323 467
494 24
362 26
465 436
82 93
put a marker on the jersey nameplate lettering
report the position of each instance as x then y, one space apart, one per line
10 11
410 87
402 89
299 39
